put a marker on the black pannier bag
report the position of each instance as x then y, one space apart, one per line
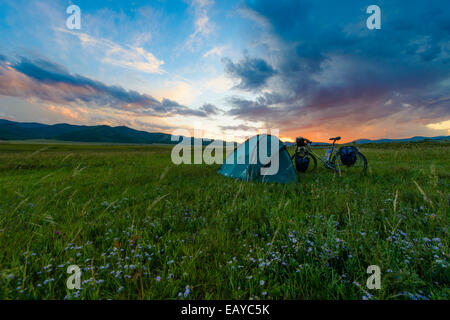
348 155
301 163
301 142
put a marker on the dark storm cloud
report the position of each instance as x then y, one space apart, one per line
168 106
253 73
241 127
47 72
260 109
210 109
331 67
52 82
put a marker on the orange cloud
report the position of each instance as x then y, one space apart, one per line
66 112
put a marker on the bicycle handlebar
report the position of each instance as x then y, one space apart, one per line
301 141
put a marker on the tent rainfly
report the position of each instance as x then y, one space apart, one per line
261 158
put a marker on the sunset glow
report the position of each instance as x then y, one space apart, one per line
304 67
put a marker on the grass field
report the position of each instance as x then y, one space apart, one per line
140 227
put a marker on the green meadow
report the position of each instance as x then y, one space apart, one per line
140 227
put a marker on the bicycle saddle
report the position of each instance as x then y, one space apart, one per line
336 139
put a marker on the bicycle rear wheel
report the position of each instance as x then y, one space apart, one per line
360 164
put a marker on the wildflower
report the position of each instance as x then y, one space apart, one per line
158 278
186 292
261 282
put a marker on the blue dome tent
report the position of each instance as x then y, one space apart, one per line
260 158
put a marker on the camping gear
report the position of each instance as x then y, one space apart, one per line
245 162
301 162
348 155
301 157
301 142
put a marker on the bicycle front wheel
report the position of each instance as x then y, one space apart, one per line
305 162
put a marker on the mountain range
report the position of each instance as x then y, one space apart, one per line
11 130
413 139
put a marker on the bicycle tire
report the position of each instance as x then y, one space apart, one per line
363 157
360 155
311 156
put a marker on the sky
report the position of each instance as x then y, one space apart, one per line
306 67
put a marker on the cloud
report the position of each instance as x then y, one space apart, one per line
132 57
259 19
215 51
261 109
202 24
180 90
330 73
253 73
240 127
149 125
45 80
443 125
210 109
169 107
73 114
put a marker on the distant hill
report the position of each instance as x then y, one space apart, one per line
413 139
293 144
10 130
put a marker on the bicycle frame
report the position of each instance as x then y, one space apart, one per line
331 160
326 160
